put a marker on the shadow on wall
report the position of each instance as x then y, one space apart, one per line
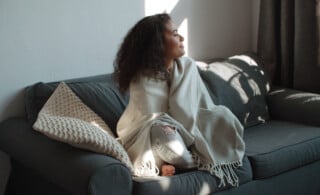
208 27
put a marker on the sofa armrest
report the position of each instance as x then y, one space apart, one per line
75 170
294 105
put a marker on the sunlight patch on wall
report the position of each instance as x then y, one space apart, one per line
167 6
159 6
183 30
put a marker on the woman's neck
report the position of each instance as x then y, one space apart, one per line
169 65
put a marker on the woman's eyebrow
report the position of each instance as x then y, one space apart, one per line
175 31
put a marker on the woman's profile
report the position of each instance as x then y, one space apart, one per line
171 122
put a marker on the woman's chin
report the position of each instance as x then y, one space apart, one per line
182 53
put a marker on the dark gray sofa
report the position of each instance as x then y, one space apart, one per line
282 136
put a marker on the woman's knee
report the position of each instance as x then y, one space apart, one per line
162 132
170 147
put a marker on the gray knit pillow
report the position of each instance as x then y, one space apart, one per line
65 118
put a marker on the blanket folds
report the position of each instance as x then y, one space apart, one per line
212 132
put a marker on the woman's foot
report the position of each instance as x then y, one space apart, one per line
167 170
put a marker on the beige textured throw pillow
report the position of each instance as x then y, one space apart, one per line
65 118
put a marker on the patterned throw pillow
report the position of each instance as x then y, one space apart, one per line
65 118
240 84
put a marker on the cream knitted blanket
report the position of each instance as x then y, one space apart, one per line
212 132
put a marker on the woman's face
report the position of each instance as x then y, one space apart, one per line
173 42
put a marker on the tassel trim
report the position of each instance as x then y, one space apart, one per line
146 169
224 171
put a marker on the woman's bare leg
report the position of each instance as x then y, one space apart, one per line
167 170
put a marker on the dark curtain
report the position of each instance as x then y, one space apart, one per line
288 43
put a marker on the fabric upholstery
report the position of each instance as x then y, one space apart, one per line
191 182
279 146
301 181
24 180
276 160
240 84
65 118
5 166
97 92
59 165
294 105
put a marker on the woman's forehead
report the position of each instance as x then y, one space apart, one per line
171 26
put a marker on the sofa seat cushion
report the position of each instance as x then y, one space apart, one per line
192 182
278 146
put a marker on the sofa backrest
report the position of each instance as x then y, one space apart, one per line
99 93
237 82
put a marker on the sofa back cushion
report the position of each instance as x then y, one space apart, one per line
97 92
237 82
240 84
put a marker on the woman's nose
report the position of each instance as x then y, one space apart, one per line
181 38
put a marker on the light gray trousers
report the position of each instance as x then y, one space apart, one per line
168 147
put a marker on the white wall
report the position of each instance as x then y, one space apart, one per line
48 40
218 28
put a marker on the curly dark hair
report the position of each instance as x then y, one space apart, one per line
142 51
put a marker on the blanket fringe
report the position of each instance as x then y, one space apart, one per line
146 169
225 172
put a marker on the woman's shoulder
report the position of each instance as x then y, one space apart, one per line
145 81
186 60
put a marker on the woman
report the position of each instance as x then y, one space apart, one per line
171 121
